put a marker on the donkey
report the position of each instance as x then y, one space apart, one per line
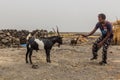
44 43
74 41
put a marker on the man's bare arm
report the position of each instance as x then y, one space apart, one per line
108 35
92 32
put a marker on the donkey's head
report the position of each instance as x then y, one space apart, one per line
58 37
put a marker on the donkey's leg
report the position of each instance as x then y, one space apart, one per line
31 51
27 55
48 55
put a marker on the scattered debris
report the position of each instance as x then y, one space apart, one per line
111 52
35 66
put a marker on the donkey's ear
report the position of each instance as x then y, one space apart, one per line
54 30
58 31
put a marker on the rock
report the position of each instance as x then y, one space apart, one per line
111 52
4 41
8 34
35 66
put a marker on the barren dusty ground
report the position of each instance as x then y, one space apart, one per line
68 63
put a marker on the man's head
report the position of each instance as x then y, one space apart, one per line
101 18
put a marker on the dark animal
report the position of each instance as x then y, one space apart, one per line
74 41
44 43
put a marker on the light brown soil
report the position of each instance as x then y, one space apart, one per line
68 63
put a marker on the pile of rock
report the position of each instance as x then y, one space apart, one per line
12 38
39 33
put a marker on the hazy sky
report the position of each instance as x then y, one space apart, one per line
69 15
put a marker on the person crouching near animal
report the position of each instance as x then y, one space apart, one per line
104 40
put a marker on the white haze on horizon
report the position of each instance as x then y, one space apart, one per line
69 15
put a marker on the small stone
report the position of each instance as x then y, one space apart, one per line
35 66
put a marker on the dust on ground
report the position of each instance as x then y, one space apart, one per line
68 63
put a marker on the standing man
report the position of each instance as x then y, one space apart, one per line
103 41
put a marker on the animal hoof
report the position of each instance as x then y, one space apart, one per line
48 61
26 62
30 63
35 66
94 58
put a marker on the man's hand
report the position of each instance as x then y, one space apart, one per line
84 35
100 44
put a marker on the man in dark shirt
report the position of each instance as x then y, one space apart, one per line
105 39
